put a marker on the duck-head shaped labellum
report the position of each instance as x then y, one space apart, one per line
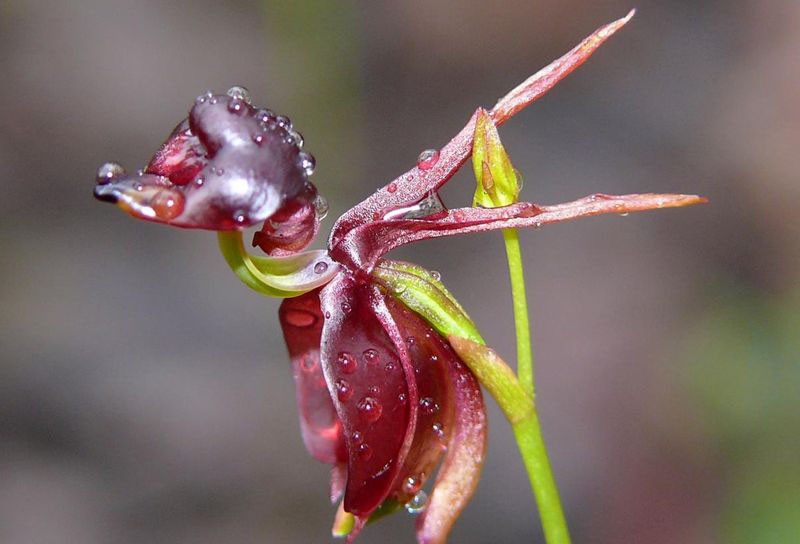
227 166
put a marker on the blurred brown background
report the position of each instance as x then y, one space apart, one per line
145 395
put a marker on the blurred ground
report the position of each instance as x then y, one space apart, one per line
144 393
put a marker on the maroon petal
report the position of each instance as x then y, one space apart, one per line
229 166
363 246
436 169
466 448
301 321
433 361
368 371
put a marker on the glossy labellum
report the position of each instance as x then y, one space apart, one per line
227 166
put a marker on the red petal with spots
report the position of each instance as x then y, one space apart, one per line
301 321
433 360
371 379
466 448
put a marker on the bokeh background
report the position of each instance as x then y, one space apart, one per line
145 395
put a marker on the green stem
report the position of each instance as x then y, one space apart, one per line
520 303
528 433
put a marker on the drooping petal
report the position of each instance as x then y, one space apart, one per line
428 176
363 246
466 448
371 380
227 166
301 321
433 361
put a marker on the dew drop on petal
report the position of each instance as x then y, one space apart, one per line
346 307
390 366
364 452
200 181
357 437
284 122
371 356
369 409
402 398
392 187
320 267
427 159
347 363
167 204
418 503
520 179
237 91
428 405
412 485
108 172
327 315
436 275
438 430
344 390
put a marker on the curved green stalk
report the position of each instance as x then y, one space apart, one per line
424 294
516 274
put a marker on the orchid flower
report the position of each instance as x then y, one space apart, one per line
382 394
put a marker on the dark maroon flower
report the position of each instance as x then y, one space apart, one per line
227 166
381 394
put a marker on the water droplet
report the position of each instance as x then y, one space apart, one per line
300 318
537 225
109 171
430 205
167 204
258 138
411 340
237 91
139 187
418 503
344 391
213 100
402 398
374 390
284 122
436 275
400 289
199 181
392 187
307 162
297 137
369 409
371 356
265 116
327 315
434 359
217 171
364 452
428 405
390 366
357 437
427 159
626 214
347 363
346 308
236 105
412 485
240 218
320 267
321 207
438 430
